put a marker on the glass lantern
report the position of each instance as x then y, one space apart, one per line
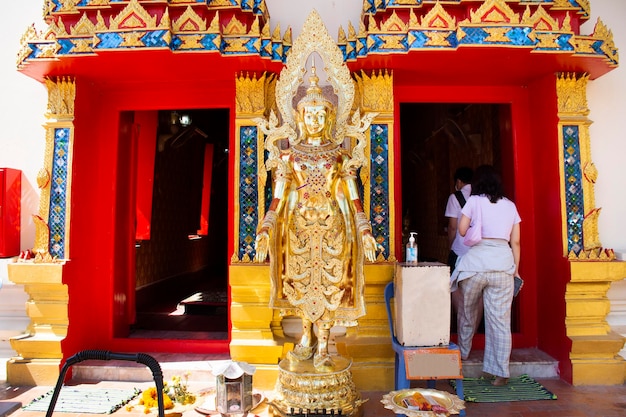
233 388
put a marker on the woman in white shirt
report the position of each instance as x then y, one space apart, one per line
487 270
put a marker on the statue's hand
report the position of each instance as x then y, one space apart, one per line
369 246
261 245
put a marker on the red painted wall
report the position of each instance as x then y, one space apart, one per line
102 231
102 214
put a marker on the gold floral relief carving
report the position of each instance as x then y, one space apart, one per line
567 24
55 29
572 94
375 91
413 21
540 20
189 21
584 44
84 27
276 33
191 42
265 31
41 245
497 34
220 3
437 38
362 30
48 51
372 25
394 24
287 37
29 35
351 32
43 178
133 16
131 39
590 230
235 27
82 45
67 6
100 25
393 42
342 39
438 18
254 95
255 28
590 172
566 5
214 27
494 11
602 32
239 44
61 95
546 40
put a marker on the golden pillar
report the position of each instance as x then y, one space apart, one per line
39 351
253 338
594 354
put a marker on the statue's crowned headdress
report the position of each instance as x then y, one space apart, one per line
314 95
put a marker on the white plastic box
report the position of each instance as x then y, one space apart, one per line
422 304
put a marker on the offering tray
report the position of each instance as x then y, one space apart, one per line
394 402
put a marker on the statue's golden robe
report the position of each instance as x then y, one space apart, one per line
316 253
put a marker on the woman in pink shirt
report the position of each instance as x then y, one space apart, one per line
487 271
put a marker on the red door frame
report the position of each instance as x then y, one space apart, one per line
103 232
514 152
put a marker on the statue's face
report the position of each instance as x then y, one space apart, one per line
314 120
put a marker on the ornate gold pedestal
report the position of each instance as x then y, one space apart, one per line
301 389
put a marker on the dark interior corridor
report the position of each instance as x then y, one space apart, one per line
181 271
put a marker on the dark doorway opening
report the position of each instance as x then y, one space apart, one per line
181 270
436 139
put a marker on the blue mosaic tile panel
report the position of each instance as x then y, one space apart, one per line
254 5
518 36
266 47
66 46
207 41
387 43
251 46
574 199
352 54
379 185
419 39
248 190
58 192
276 48
115 40
364 50
563 40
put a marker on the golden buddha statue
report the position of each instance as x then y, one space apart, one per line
316 231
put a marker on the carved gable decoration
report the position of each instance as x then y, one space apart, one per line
134 16
385 27
494 11
437 18
189 21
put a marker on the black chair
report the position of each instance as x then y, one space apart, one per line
105 355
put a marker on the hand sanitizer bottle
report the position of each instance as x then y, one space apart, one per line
411 250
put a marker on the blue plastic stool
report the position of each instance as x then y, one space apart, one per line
401 380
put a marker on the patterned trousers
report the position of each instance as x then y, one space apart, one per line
496 290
